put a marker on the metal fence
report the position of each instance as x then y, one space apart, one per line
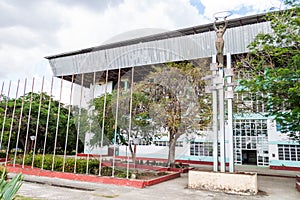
95 123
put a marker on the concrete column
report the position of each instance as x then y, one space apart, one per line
230 119
222 121
215 121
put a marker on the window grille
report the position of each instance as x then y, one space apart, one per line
251 134
289 152
166 143
202 149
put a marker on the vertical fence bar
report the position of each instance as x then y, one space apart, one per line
130 118
37 122
68 124
90 122
28 123
5 113
103 122
20 122
116 123
1 96
57 123
12 123
1 91
47 124
78 124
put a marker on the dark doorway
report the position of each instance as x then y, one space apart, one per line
249 157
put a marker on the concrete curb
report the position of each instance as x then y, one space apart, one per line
57 182
138 183
298 186
275 175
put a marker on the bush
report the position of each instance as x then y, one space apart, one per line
2 154
81 165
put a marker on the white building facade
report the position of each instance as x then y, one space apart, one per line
257 139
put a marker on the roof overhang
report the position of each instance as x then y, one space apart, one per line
184 44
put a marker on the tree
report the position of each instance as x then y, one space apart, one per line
139 119
179 104
97 106
29 109
274 68
169 101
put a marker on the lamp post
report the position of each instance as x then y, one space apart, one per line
32 138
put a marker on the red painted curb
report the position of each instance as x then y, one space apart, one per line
162 179
298 177
285 168
4 159
92 178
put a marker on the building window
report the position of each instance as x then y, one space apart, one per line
166 143
249 102
289 152
251 134
201 149
141 142
179 144
161 143
278 127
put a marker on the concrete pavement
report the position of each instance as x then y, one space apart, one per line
273 184
260 170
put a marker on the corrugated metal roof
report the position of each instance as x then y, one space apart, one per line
184 44
253 19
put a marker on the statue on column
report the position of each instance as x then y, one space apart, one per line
220 41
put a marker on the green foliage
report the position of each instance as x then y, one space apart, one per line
29 105
108 117
168 97
8 189
179 101
3 172
81 165
2 154
274 68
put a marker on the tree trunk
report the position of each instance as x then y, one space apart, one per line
134 158
22 141
171 156
131 151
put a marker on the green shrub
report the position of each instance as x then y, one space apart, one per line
81 165
2 154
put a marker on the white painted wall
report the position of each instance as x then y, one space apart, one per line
98 90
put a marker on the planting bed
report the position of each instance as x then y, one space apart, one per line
144 172
147 179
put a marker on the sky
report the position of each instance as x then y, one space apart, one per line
30 30
33 29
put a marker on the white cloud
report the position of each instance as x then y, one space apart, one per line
253 6
32 29
91 29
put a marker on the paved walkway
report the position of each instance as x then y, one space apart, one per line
260 170
276 185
